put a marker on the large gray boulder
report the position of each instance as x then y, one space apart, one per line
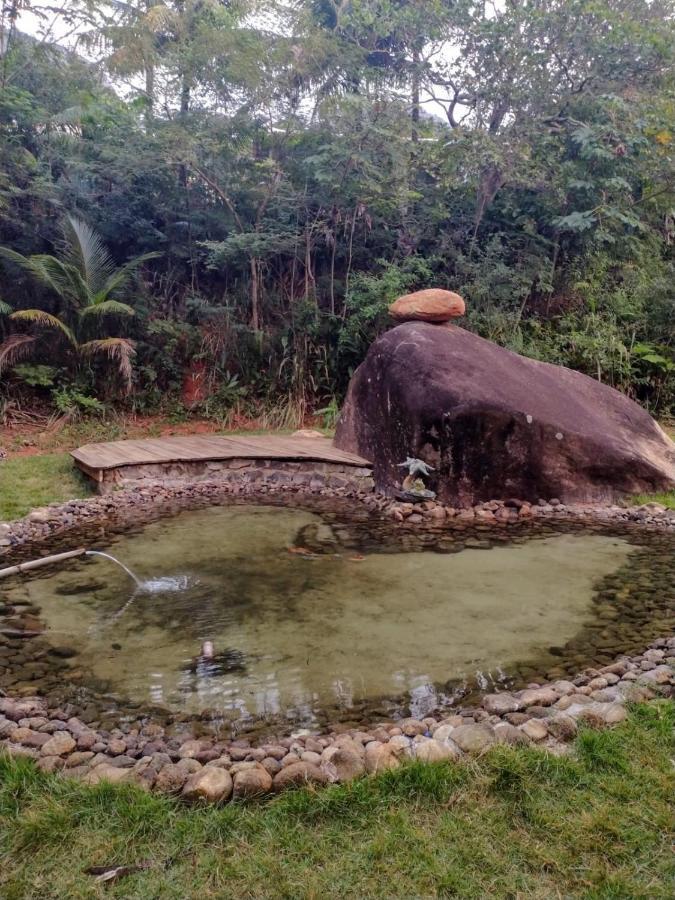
495 424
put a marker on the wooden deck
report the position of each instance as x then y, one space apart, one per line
97 458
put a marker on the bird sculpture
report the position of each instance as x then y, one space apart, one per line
416 467
413 485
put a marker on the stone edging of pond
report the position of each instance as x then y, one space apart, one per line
205 770
135 504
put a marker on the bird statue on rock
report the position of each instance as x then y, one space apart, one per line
413 485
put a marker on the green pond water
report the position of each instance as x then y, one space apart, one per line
294 633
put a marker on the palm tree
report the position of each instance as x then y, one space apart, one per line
90 288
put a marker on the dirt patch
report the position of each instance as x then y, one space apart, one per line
44 435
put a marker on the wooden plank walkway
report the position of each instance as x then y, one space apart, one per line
198 448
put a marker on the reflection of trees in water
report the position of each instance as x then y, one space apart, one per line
223 663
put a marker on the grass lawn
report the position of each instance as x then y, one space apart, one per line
29 481
667 499
518 823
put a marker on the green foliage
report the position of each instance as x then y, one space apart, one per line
30 481
73 403
329 414
225 398
516 822
296 179
87 284
36 375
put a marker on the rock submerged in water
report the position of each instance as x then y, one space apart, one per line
495 424
431 305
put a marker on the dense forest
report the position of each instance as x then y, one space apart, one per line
208 204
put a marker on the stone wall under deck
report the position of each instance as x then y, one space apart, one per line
307 474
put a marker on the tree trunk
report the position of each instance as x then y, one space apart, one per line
415 113
149 94
255 294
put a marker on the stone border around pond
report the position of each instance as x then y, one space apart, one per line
209 770
154 499
205 770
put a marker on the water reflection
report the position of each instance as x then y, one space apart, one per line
311 619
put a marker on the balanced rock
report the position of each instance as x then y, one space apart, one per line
494 424
431 305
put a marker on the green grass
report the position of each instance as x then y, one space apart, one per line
667 499
29 481
518 823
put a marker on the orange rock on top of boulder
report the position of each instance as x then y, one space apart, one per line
431 305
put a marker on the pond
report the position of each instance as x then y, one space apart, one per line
267 614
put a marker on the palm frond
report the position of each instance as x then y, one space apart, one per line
15 348
87 253
5 308
107 308
122 276
121 350
44 320
62 278
30 264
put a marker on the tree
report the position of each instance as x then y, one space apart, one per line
89 288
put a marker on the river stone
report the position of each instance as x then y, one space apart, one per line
500 704
615 713
7 727
402 744
660 675
22 709
271 765
210 785
467 407
40 515
545 696
79 758
380 757
17 750
342 764
59 744
297 774
170 779
51 763
106 772
443 732
474 738
290 760
311 757
116 747
347 743
144 773
430 305
222 762
253 782
29 738
431 750
562 727
411 727
190 749
122 762
275 751
189 765
535 729
506 733
86 740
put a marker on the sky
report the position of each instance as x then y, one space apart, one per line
55 26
